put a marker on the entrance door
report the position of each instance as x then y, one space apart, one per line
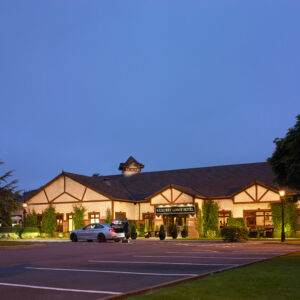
170 220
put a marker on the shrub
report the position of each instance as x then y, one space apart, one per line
31 220
184 232
141 230
210 216
290 218
234 234
238 222
78 217
49 220
9 233
174 231
108 216
162 233
199 223
30 233
133 233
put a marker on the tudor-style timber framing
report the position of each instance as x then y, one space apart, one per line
236 188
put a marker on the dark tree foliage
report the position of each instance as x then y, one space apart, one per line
285 160
8 196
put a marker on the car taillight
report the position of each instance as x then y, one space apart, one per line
111 230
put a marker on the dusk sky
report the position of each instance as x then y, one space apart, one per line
176 84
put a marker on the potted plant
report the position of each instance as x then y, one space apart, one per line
133 233
141 230
147 232
184 232
174 232
162 233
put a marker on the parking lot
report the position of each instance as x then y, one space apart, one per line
100 270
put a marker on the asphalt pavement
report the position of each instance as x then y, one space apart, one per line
99 270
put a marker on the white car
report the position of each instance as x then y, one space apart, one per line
96 231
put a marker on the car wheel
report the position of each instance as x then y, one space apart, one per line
74 238
101 238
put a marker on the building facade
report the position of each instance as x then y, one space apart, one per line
164 197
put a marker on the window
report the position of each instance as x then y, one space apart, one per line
59 223
257 219
148 219
120 216
223 218
70 222
94 217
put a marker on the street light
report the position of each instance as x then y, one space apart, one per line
282 194
24 211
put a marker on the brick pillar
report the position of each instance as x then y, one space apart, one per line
192 228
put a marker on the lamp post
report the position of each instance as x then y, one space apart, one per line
282 194
24 205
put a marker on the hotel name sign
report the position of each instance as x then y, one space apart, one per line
175 210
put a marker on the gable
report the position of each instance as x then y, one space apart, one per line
40 197
256 193
171 196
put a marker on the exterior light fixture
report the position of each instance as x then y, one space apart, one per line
282 195
24 205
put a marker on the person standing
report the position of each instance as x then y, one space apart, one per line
126 228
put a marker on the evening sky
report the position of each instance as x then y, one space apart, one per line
176 84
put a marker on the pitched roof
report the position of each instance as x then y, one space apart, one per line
219 181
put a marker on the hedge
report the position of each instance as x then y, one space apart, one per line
290 218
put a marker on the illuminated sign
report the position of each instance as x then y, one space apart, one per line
175 210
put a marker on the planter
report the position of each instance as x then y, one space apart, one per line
162 235
184 233
156 233
133 235
147 234
174 235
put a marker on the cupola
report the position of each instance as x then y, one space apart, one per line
131 167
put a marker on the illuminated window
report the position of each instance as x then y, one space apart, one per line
223 218
70 223
258 219
94 217
59 223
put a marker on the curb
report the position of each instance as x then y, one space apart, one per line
17 247
180 281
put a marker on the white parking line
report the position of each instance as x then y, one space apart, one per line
59 289
156 263
184 256
105 271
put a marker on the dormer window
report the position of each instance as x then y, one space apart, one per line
131 167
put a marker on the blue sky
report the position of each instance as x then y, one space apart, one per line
176 84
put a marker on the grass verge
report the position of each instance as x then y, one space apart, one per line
13 243
274 279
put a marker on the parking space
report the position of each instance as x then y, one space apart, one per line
100 270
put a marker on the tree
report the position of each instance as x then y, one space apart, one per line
78 216
210 217
285 161
49 220
8 196
108 216
31 220
96 175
